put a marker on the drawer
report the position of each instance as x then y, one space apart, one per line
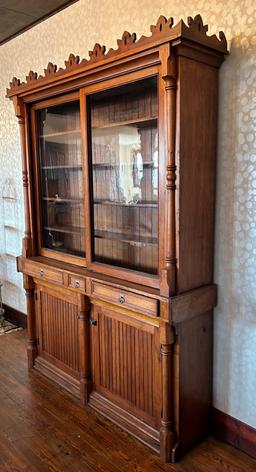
125 299
44 273
76 282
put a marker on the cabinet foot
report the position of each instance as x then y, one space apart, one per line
31 354
166 444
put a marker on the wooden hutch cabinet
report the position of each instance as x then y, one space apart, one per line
119 155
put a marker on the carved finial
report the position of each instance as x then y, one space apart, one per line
127 39
31 76
72 61
196 24
97 52
50 70
162 25
14 83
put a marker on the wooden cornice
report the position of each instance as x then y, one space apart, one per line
163 31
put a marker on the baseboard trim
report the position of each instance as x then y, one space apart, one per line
234 432
15 316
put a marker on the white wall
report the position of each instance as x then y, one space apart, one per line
76 29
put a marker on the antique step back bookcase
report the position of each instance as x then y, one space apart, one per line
119 155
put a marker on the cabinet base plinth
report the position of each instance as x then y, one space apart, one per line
52 372
128 422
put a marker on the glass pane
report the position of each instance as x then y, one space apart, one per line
125 176
61 177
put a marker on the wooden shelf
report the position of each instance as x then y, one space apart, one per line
65 250
127 205
60 133
63 167
65 229
140 121
105 165
63 200
134 240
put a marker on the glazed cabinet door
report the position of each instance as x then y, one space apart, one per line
59 180
123 170
125 362
57 329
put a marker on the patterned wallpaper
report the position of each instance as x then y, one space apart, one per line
76 29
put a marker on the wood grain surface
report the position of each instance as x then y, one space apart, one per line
43 429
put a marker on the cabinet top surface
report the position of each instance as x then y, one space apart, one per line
195 32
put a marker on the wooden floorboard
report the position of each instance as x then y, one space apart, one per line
43 429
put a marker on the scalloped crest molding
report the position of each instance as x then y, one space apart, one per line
164 29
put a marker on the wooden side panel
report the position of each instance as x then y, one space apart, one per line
196 155
59 330
193 374
126 363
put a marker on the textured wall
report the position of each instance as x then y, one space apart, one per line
76 29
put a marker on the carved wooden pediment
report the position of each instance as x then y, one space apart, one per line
164 28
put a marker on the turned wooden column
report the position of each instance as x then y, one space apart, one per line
84 348
31 325
167 436
21 115
168 274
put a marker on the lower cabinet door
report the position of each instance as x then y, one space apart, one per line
57 331
125 363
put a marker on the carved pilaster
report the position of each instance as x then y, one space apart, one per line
84 348
168 275
167 436
31 325
20 114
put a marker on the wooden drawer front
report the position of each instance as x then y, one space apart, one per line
44 273
125 299
76 282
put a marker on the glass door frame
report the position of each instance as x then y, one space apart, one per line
130 275
42 251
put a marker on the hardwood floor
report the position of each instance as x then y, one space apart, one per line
44 429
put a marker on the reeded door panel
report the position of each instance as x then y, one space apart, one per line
126 366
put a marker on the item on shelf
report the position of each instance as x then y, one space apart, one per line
55 243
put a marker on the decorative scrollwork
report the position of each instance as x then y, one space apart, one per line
31 77
14 83
98 52
196 24
50 69
195 31
162 25
126 40
72 61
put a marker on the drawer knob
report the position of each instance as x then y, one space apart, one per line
77 283
121 298
93 322
41 272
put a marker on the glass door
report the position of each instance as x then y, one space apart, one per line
123 137
60 176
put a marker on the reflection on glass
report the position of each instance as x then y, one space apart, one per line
125 176
60 167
